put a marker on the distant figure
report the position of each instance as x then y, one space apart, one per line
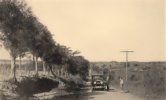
121 83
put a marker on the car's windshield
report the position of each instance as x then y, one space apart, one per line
97 77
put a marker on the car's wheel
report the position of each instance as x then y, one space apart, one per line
108 88
93 89
105 87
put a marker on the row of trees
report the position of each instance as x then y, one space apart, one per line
21 33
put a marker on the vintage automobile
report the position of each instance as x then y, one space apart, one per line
98 82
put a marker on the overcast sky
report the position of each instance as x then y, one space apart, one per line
100 29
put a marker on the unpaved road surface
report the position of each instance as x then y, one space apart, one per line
101 95
110 95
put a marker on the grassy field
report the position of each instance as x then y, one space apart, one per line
144 78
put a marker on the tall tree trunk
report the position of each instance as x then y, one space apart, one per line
13 69
51 70
44 68
36 65
20 62
33 57
58 72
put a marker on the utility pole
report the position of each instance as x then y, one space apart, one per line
126 52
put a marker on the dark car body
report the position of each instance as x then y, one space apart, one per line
98 82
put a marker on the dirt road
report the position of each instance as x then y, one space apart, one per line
102 95
110 95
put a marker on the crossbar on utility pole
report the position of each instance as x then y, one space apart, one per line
126 63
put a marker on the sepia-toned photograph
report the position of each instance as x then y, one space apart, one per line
82 50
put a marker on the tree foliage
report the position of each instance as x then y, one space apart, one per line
13 14
78 65
21 32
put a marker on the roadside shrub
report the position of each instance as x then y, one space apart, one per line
133 78
32 85
2 96
9 85
74 84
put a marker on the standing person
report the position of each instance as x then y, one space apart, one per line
121 83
